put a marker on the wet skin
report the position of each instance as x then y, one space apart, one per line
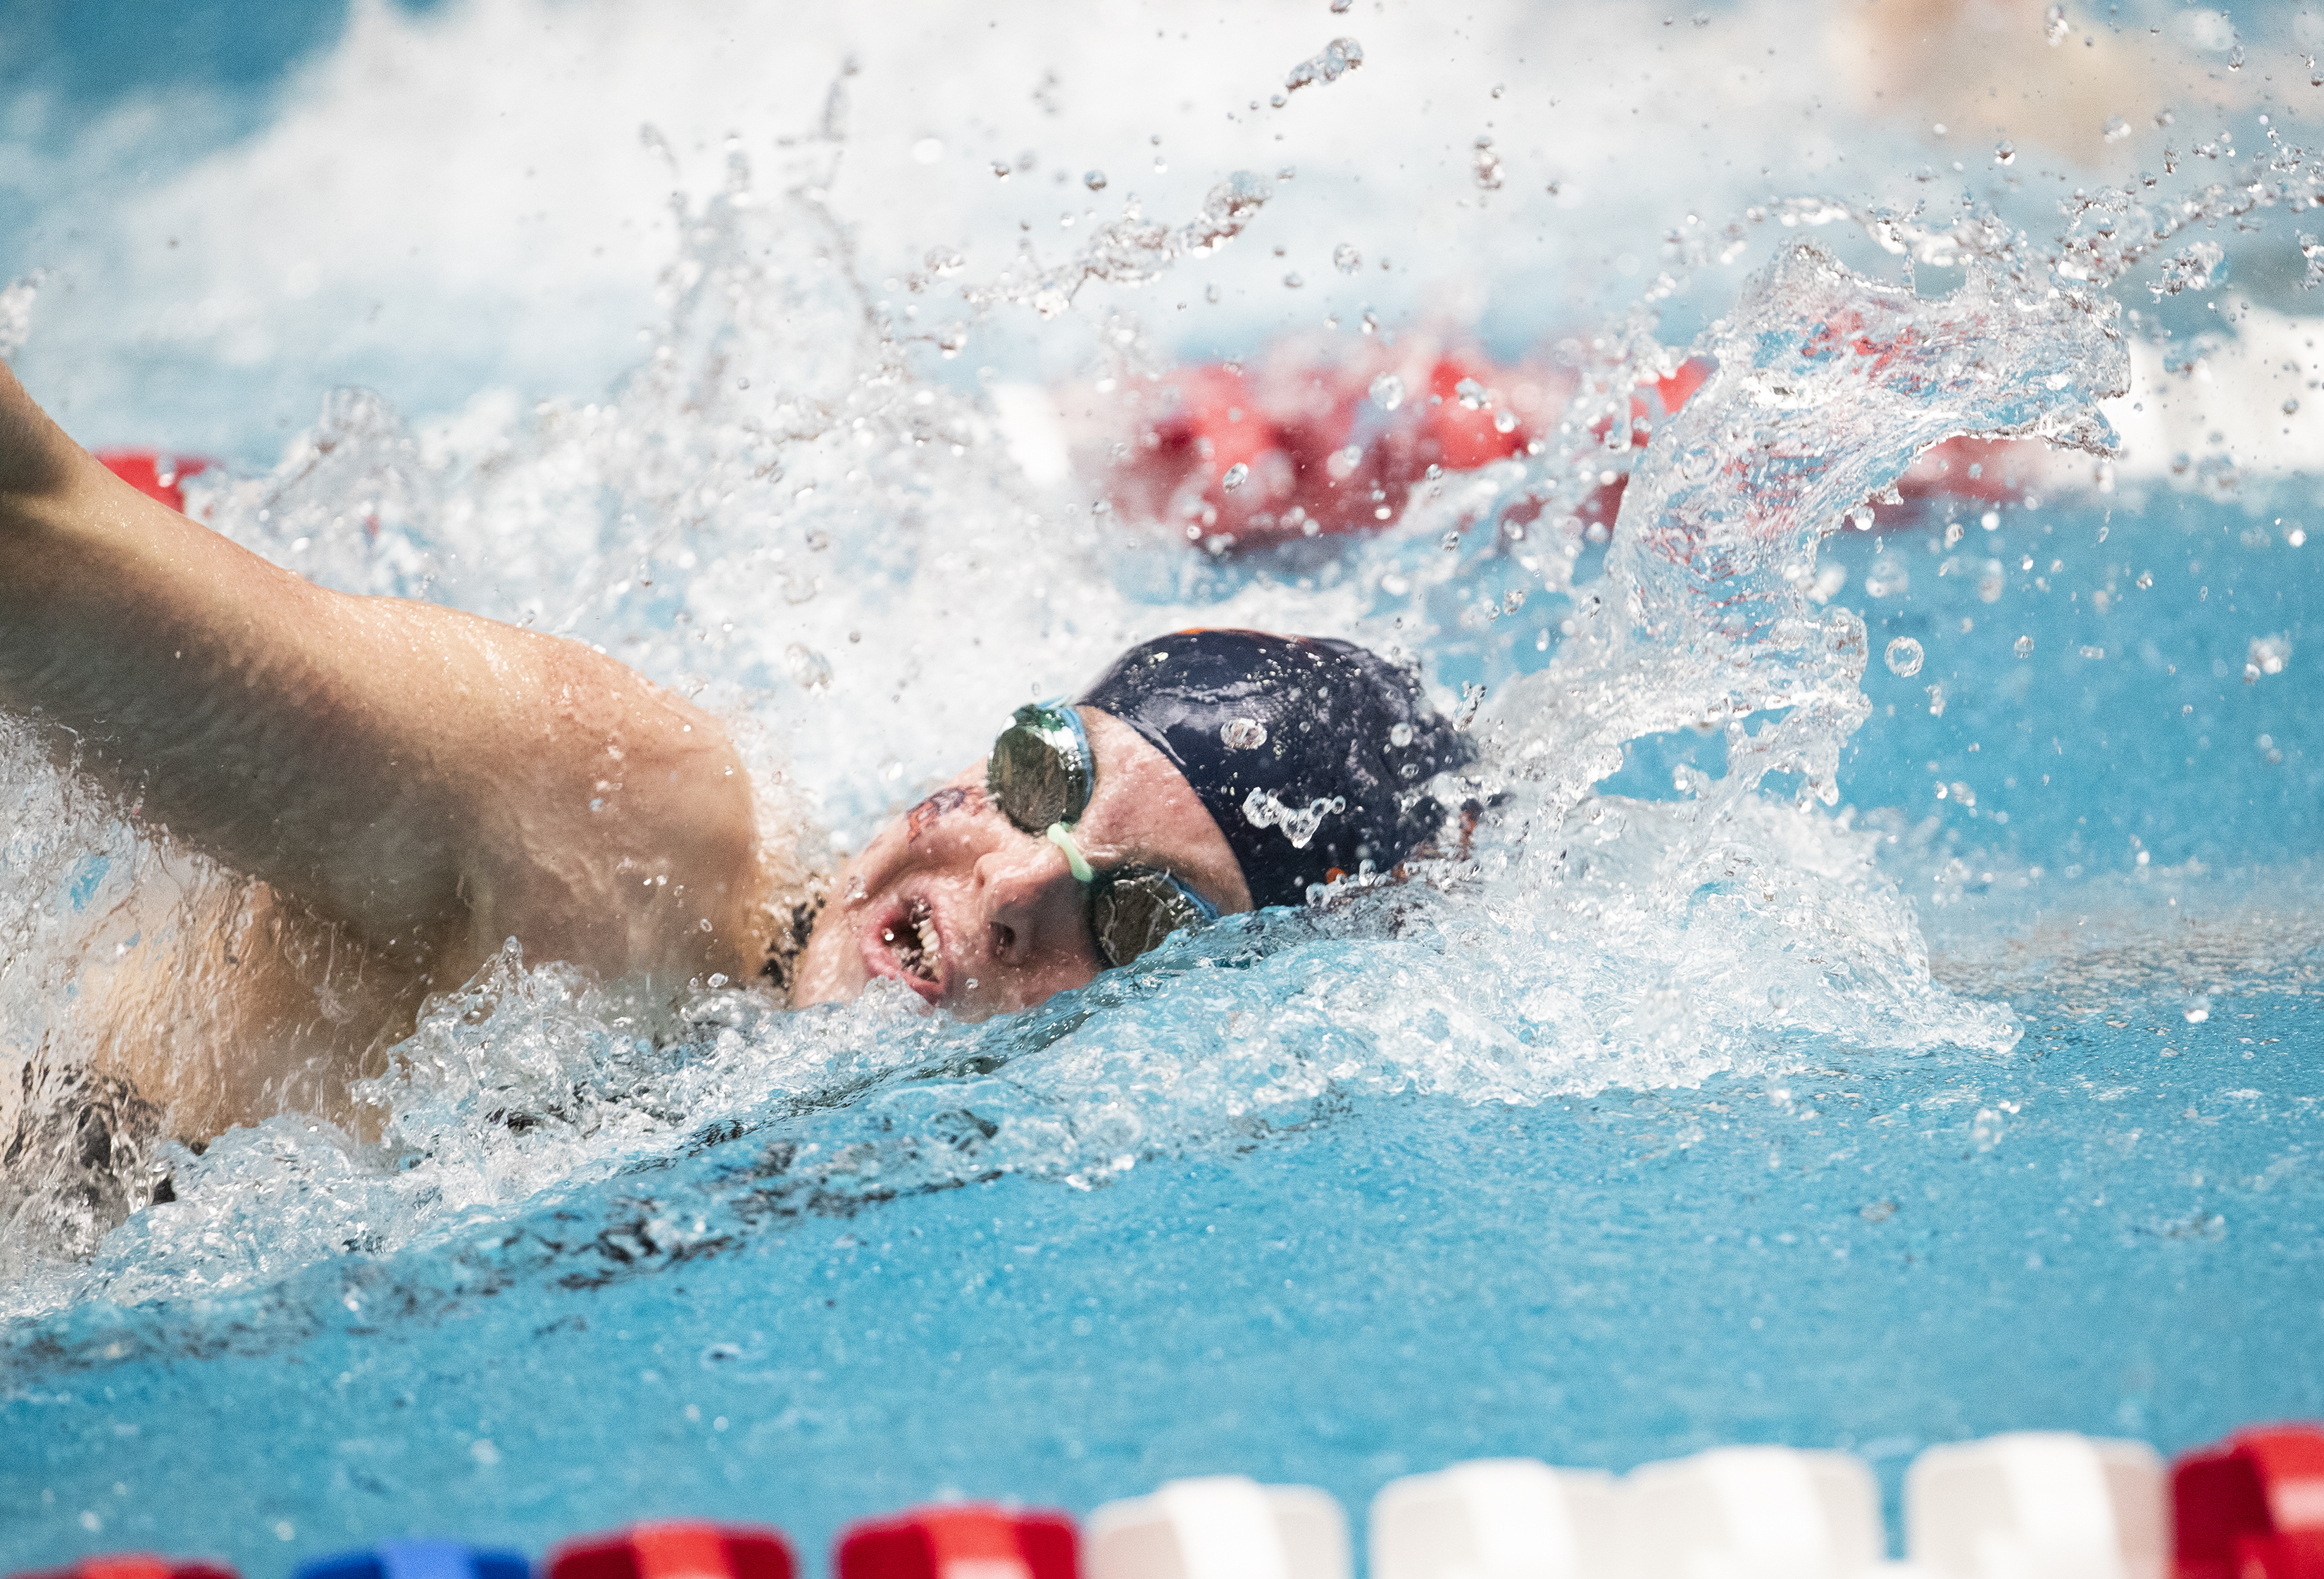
408 787
1008 923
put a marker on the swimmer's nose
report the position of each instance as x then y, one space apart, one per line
1027 894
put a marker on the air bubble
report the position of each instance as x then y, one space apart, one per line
2004 152
2054 26
1387 391
1237 475
1346 258
1292 281
2023 647
1094 181
1904 657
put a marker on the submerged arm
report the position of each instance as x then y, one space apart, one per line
438 780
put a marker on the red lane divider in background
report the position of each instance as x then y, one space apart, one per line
962 1540
2252 1507
675 1549
153 474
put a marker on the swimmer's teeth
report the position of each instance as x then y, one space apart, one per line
926 924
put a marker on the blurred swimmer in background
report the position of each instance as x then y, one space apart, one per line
407 787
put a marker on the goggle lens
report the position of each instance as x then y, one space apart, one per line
1134 908
1040 771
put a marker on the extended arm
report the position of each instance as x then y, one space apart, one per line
437 780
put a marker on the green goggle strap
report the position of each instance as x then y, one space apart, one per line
1062 836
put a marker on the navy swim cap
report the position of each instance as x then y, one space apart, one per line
1309 753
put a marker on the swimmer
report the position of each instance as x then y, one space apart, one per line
401 787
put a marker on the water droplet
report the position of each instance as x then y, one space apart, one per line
1237 475
1094 181
2116 129
2054 26
1211 294
2198 1014
1346 258
1505 421
2004 152
2025 647
1001 169
1244 734
1334 60
1472 394
1401 736
1862 517
1387 391
1488 163
1292 281
1339 7
2291 405
2145 580
1904 657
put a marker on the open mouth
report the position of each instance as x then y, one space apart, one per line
909 938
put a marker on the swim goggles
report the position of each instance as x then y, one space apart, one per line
1041 774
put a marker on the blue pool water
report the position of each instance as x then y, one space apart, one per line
1696 1108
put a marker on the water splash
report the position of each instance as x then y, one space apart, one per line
16 301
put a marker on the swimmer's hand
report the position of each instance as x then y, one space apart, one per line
437 781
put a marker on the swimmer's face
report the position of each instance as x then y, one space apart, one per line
955 902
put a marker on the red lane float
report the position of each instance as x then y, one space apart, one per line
965 1540
676 1549
153 474
1304 448
2252 1507
134 1565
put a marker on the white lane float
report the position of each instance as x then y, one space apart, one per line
1498 1518
1755 1514
2038 1505
1218 1526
